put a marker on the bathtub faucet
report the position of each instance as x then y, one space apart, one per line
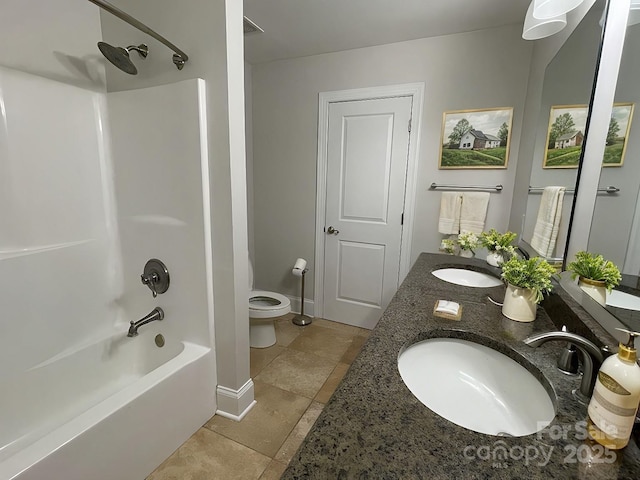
156 314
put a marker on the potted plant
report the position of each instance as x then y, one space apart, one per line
498 244
448 246
596 276
527 281
468 242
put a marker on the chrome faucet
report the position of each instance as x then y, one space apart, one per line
591 356
155 314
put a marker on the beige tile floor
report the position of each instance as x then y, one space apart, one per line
293 381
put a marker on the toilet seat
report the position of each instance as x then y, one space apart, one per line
263 304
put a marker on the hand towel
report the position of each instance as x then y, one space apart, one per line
474 211
449 221
545 232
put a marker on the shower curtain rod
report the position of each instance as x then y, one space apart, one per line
179 58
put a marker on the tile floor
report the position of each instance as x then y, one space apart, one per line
293 381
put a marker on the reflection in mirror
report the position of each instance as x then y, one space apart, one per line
559 133
615 229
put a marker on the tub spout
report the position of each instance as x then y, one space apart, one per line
155 314
591 356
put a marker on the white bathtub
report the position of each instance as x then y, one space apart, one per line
114 409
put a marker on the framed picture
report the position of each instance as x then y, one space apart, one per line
475 138
619 128
566 134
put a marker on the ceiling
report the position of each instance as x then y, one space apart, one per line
296 28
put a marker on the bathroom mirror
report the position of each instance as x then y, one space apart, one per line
615 228
568 82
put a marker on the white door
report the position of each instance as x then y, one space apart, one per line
367 150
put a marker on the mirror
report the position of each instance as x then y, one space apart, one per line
568 82
615 228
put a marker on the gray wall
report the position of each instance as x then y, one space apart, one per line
248 122
613 215
543 53
56 40
568 80
480 69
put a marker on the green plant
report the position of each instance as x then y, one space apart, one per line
534 274
448 246
595 267
495 241
468 241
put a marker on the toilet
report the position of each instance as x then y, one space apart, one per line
263 308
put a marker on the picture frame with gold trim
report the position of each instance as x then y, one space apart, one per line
475 139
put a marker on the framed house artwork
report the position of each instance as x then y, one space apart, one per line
475 138
565 135
619 128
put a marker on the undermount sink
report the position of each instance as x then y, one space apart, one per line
623 300
476 387
467 278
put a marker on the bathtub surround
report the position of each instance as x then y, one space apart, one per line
92 221
211 32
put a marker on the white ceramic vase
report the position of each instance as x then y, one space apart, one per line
495 259
519 304
596 289
466 253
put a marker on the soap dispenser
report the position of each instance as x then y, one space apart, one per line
613 406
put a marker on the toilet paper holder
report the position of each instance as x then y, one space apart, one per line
300 269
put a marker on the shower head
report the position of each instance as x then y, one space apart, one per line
120 56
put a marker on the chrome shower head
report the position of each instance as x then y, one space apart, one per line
120 56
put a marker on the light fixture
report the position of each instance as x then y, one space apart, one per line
534 28
546 9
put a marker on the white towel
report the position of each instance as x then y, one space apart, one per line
474 211
545 232
449 221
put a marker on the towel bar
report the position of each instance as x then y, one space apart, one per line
497 188
609 189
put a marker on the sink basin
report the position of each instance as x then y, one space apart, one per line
623 300
476 387
468 278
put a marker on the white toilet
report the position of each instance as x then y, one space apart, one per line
263 308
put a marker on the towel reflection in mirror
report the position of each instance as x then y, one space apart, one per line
545 232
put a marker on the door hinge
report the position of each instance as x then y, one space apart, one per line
402 218
409 125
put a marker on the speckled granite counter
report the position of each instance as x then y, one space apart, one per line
374 428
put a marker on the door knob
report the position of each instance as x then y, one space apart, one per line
332 231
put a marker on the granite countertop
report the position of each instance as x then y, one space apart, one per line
374 428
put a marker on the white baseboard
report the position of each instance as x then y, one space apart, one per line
235 404
295 305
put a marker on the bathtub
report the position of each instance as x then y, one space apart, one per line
112 409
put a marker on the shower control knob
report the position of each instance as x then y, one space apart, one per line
155 276
332 231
